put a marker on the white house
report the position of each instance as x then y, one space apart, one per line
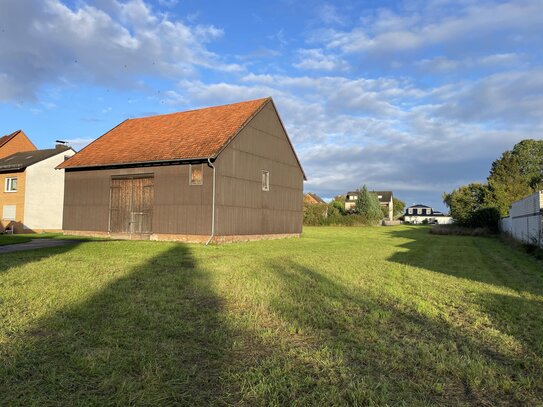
32 197
418 214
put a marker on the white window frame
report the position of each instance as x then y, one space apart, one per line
8 184
190 175
265 180
410 211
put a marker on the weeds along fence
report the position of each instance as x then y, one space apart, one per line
525 220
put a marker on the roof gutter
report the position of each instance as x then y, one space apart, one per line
134 164
212 204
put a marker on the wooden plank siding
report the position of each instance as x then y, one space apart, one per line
178 208
243 208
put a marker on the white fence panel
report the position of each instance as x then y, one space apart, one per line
525 221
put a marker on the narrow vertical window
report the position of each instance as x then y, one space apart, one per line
10 185
196 174
265 180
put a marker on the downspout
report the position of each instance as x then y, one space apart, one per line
212 204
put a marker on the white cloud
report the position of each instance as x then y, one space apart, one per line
78 143
113 45
329 14
315 59
385 31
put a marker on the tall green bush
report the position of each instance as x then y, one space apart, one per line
485 218
315 214
367 206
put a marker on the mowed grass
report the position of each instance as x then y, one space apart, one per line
342 316
13 239
27 237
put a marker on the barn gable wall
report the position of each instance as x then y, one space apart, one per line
243 208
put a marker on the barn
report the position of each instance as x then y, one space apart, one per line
222 173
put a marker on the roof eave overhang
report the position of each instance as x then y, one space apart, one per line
156 163
13 169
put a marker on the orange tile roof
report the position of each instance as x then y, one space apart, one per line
194 134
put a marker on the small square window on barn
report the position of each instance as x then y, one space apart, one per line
265 180
8 212
196 174
10 185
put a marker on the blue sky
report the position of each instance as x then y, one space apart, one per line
414 96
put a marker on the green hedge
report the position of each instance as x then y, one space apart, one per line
330 215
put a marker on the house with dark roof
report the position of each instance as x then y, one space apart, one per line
418 214
33 190
14 143
221 173
312 199
385 201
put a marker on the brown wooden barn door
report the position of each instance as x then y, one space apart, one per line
142 206
131 207
121 199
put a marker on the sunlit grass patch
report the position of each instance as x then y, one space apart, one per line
342 316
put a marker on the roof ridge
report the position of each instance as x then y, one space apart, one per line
200 108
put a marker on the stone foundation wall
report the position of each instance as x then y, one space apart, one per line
182 238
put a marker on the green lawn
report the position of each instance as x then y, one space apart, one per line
343 316
23 238
13 239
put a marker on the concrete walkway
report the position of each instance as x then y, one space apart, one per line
36 244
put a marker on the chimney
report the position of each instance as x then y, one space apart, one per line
61 145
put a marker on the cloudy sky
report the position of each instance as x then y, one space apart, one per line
414 96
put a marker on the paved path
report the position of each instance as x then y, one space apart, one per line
36 244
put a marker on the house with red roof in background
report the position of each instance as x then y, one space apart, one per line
221 173
312 199
15 143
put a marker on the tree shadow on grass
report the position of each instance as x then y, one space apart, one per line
153 337
394 355
481 259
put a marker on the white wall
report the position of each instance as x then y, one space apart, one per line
417 219
525 221
44 193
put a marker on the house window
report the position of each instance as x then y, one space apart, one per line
8 212
419 211
427 211
410 211
10 185
265 180
196 174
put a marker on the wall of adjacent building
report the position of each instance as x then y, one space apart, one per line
525 221
44 197
13 199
